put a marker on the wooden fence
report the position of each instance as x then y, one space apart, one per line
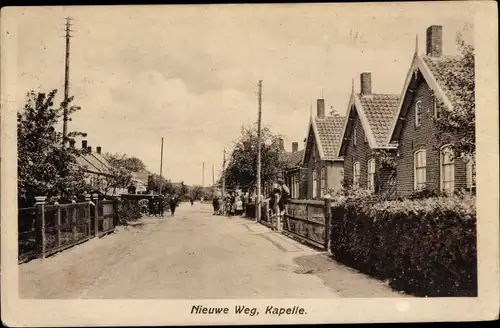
46 229
308 221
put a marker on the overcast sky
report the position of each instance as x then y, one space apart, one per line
189 73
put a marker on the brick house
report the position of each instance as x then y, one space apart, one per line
324 168
422 160
364 139
294 173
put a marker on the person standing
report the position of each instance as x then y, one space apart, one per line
284 196
174 202
215 204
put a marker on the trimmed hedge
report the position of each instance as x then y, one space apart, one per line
425 247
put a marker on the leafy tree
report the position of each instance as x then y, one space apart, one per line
241 170
119 172
45 166
154 185
196 192
458 126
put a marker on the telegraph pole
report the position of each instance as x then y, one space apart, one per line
66 80
258 207
213 179
203 175
224 174
161 164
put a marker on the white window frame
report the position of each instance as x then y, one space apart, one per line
370 175
419 167
418 113
354 135
447 178
356 173
470 170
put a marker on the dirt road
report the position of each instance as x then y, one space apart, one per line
193 255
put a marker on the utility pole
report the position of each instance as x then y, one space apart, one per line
66 80
224 174
259 204
161 165
213 179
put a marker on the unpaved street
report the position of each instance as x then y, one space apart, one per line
193 255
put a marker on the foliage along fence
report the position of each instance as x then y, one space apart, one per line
46 229
425 247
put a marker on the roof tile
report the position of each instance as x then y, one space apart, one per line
380 110
330 130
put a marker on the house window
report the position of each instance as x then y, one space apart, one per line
315 184
323 181
418 114
366 139
370 183
470 170
435 106
356 174
354 134
297 185
420 173
447 169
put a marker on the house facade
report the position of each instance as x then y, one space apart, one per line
324 169
423 161
363 139
295 174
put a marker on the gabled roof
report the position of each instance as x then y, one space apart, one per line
93 162
327 131
294 159
431 69
376 113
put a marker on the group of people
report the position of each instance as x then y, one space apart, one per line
157 205
232 204
235 204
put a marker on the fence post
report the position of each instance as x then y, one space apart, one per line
96 214
116 216
58 228
87 200
328 216
40 225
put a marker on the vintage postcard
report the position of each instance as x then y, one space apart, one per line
249 164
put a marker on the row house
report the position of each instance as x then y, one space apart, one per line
294 173
364 139
423 160
403 127
323 168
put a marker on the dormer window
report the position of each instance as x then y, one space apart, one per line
418 114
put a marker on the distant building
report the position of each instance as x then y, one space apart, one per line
295 174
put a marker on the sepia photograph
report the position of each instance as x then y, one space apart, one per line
251 164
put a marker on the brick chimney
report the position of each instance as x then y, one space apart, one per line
99 149
295 147
434 41
281 143
84 144
72 143
89 149
320 108
366 83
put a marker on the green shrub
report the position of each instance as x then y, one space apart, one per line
425 246
128 210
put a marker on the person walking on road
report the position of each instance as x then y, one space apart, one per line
215 204
284 196
174 202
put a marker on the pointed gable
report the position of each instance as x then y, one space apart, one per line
376 113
